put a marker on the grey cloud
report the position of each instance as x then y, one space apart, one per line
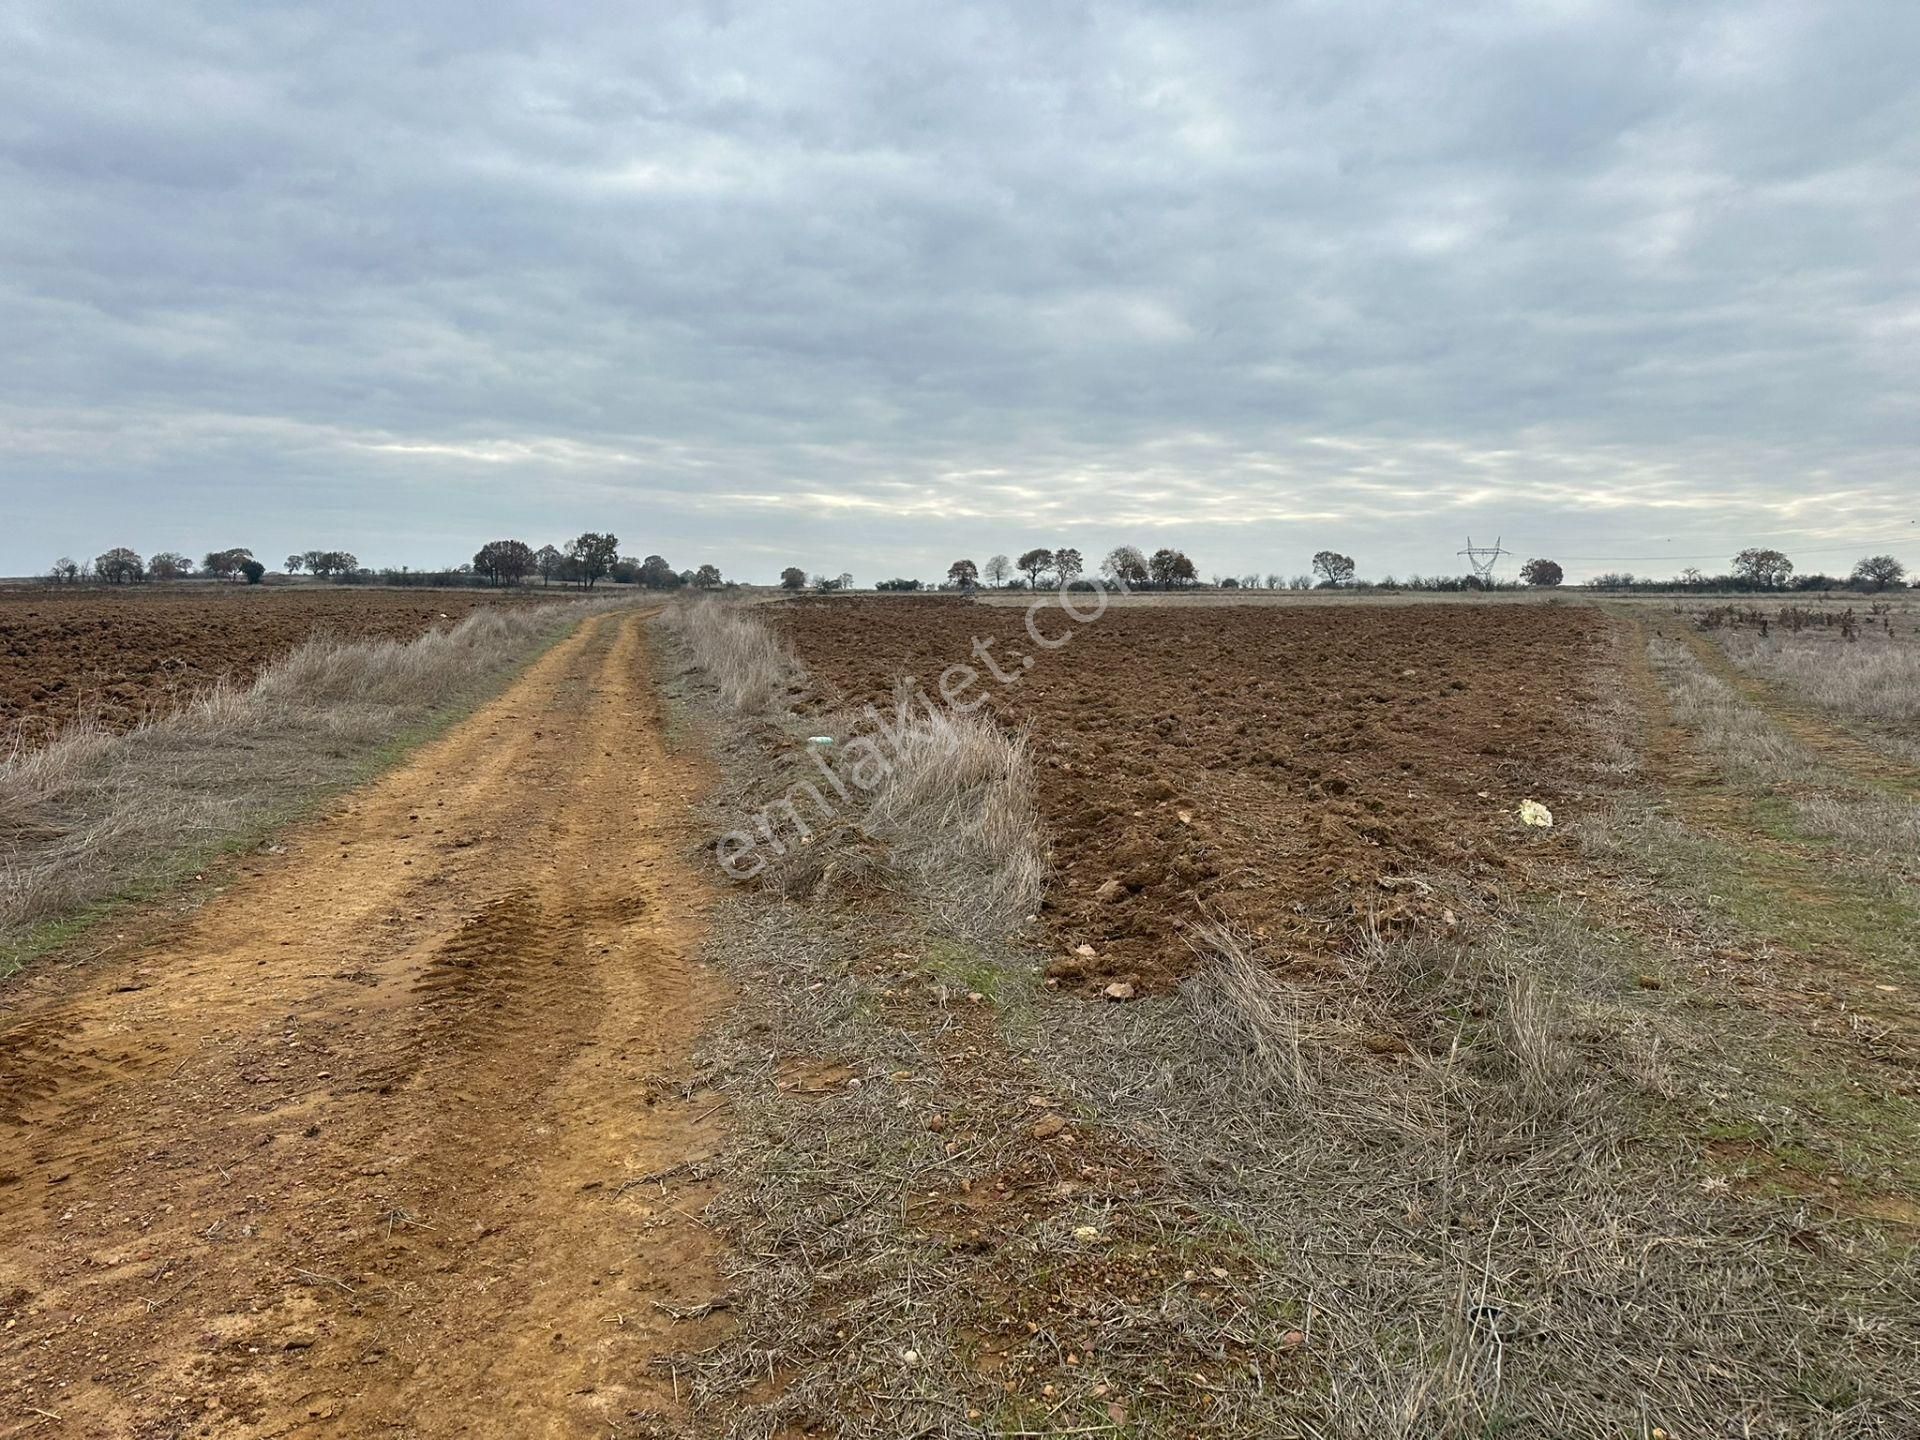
884 283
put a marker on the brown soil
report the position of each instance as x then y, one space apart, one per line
393 1136
118 656
1296 772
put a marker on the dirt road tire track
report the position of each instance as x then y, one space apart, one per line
1820 735
354 1149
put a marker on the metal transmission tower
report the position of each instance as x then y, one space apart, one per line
1483 558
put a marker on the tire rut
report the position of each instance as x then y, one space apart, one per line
1859 761
343 1155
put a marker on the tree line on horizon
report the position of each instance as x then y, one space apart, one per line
1127 567
594 556
585 561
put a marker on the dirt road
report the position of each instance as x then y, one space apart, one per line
383 1140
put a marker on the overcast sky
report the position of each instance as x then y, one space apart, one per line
868 287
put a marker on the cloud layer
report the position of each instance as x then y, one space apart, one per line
867 287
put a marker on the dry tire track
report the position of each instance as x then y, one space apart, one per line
1830 973
392 1137
1820 735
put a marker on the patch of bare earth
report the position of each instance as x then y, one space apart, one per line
395 1135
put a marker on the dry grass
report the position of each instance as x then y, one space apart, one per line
754 668
957 812
1744 741
93 816
1486 1235
1494 1232
952 818
1874 680
1881 830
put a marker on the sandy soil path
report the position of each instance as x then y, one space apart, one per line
383 1140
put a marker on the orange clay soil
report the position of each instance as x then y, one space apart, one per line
389 1138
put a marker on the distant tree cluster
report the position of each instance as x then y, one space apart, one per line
504 562
594 556
324 564
1758 569
586 561
1064 566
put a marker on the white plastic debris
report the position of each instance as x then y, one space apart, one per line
1532 812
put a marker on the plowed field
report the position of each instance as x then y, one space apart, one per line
116 657
1296 772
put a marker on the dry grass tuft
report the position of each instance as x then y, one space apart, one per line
755 669
957 811
952 818
93 816
1247 1015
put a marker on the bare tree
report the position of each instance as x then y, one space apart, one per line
1125 566
1332 567
1067 565
169 565
999 569
1879 571
120 566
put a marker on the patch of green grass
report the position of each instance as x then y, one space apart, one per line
1810 1105
1007 985
964 967
1784 896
